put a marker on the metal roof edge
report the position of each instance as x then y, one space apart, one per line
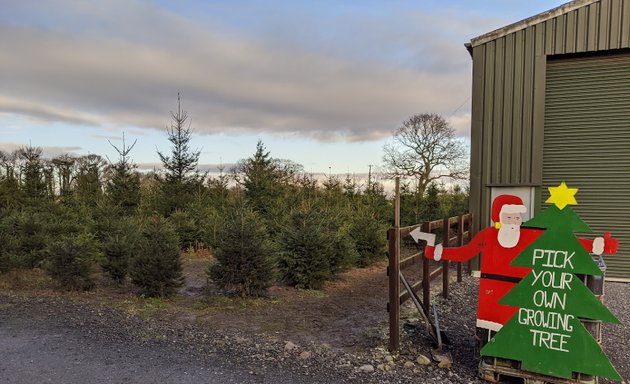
536 19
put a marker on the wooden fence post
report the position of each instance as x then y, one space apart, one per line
395 266
426 282
394 293
394 273
460 242
471 221
446 235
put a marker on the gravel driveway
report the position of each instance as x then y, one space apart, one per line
36 353
51 340
56 340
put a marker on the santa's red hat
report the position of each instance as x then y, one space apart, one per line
506 204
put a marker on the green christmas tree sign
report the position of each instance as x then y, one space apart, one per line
546 334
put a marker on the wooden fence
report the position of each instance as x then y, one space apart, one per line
456 231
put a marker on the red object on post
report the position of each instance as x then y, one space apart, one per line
497 275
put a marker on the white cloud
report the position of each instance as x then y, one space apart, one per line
95 66
461 123
48 152
38 111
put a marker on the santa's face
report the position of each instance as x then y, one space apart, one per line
510 230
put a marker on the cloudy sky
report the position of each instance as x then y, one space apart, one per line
323 83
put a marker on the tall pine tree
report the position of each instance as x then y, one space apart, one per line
123 187
262 180
181 176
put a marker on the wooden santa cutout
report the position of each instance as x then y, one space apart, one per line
529 294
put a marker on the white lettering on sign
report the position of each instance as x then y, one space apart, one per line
541 319
548 325
550 299
551 258
549 279
549 340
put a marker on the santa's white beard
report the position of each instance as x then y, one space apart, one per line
509 234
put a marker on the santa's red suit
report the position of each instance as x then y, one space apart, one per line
497 275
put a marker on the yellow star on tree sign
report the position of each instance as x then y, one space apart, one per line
562 195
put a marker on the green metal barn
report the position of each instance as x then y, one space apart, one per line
551 103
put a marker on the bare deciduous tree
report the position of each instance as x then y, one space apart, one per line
89 180
65 166
8 165
425 147
33 183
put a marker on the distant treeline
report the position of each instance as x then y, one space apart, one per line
265 221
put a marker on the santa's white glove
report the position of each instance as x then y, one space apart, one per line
437 253
598 245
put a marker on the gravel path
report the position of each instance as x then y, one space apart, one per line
35 354
50 339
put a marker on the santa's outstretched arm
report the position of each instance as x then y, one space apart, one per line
600 245
463 253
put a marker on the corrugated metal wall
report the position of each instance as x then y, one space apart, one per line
508 104
587 144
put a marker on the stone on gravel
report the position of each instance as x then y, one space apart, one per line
289 346
409 364
423 360
306 355
367 368
446 364
389 359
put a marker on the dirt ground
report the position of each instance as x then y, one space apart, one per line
345 324
350 312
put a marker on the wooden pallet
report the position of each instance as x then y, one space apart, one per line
493 369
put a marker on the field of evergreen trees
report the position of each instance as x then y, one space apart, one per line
265 222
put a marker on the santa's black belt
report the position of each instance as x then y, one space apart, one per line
509 279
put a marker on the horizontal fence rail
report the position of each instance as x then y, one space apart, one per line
455 231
